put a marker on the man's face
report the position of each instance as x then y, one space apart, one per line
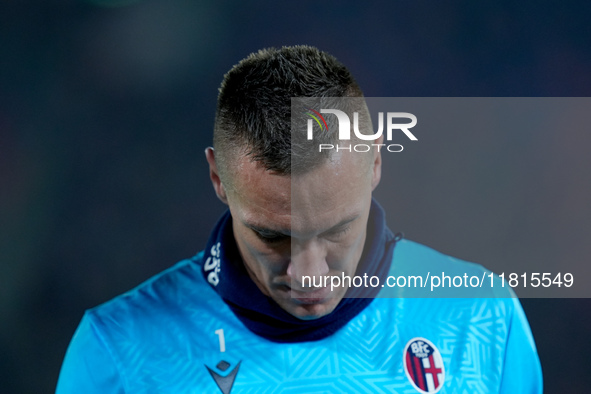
314 224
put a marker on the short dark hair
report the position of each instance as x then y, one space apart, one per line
254 102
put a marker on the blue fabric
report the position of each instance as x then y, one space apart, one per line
264 316
90 364
517 366
164 337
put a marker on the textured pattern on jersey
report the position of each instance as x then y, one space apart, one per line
162 338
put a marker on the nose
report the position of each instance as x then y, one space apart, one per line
307 259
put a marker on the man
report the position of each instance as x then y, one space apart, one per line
248 313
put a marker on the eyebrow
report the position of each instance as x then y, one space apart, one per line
287 233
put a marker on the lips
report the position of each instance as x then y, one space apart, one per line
316 296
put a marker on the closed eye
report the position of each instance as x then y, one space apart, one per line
270 237
337 232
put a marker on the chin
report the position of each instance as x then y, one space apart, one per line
306 307
312 311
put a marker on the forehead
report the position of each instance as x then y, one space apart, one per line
300 204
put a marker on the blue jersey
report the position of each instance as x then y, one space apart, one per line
174 334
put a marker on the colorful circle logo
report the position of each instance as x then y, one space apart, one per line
423 365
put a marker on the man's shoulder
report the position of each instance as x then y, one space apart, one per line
179 292
435 274
411 253
427 288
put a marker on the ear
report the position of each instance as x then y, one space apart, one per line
376 173
214 175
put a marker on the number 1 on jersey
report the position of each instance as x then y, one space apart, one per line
220 334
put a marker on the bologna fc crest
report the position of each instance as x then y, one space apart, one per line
423 365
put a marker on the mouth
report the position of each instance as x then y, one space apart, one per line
317 296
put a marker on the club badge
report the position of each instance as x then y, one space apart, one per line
423 365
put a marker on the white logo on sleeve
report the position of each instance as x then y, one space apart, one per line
213 265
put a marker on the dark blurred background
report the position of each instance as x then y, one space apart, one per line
106 107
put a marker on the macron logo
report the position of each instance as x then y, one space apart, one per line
224 383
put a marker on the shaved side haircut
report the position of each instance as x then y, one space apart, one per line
253 114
